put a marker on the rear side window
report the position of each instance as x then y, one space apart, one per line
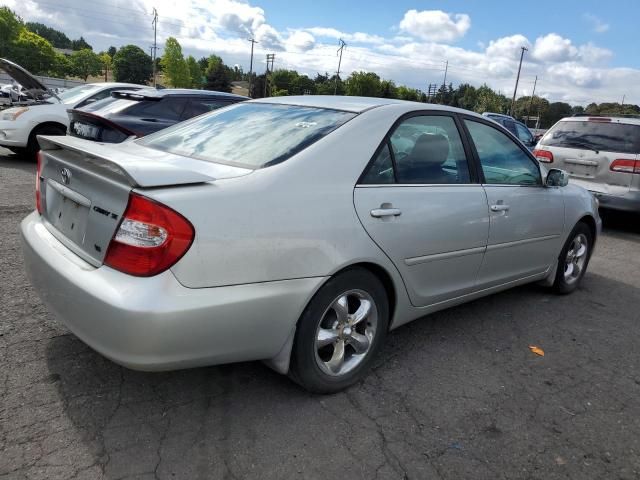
251 135
198 106
168 108
594 135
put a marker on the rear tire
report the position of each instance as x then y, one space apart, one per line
340 332
574 259
32 146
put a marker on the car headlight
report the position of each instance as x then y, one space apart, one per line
12 114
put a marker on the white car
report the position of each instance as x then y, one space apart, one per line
47 115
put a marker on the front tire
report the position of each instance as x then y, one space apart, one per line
573 259
32 146
340 332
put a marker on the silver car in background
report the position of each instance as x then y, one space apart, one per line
294 230
600 153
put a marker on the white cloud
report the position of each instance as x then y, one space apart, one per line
598 25
435 25
300 41
357 37
554 48
507 47
412 55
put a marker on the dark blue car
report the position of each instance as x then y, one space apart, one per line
138 113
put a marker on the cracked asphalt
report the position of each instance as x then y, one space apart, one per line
455 395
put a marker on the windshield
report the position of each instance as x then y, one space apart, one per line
77 93
250 135
594 135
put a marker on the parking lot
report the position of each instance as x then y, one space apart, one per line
456 395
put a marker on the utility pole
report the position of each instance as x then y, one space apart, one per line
155 43
253 41
531 100
444 82
623 97
515 90
339 52
270 58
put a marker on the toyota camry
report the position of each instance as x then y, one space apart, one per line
294 230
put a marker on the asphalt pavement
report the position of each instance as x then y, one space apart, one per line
456 395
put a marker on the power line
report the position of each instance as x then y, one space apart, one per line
342 47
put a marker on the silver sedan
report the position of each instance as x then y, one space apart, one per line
294 230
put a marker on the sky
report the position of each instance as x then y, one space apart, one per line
581 51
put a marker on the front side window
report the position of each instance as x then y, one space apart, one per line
250 135
502 160
424 149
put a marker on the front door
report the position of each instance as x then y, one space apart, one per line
527 218
420 204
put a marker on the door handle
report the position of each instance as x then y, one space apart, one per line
385 212
499 208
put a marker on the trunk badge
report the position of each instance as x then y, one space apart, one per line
66 175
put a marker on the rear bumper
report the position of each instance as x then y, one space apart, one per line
155 323
629 202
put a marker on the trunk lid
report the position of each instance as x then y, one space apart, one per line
85 186
591 169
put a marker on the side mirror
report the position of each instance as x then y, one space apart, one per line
557 178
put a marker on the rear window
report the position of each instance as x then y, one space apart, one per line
250 135
586 135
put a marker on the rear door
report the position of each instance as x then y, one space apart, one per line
596 152
420 202
526 218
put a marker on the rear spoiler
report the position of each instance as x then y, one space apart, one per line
110 160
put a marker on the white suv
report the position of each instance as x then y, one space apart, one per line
47 113
600 153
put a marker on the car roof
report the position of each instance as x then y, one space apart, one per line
165 92
117 84
603 119
356 104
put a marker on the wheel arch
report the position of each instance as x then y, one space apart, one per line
43 125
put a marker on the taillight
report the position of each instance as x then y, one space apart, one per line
150 238
544 156
625 165
38 174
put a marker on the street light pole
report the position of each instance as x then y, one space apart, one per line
515 90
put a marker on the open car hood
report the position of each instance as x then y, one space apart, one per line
29 83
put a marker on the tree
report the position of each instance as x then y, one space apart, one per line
107 61
32 52
217 75
112 51
61 66
195 73
10 28
204 63
364 84
80 44
406 93
57 38
132 65
174 66
85 63
389 89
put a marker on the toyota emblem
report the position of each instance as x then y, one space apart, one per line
66 175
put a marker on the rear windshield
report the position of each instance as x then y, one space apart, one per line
250 135
109 105
590 135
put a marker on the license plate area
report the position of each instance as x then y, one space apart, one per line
85 130
581 168
67 211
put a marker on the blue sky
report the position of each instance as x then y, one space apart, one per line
581 51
